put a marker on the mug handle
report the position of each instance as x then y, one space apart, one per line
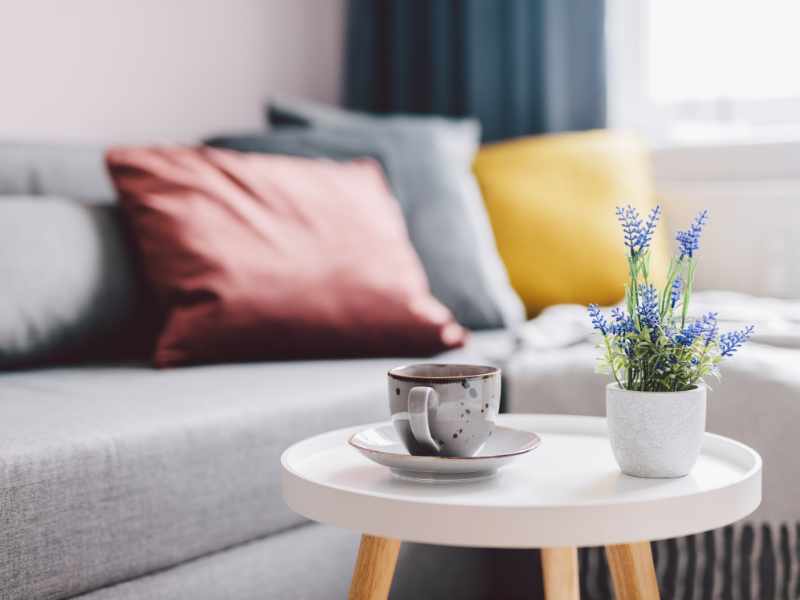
420 400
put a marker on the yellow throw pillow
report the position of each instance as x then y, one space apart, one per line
551 200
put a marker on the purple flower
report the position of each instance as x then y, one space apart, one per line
625 345
598 320
707 323
712 327
646 233
648 306
689 334
675 294
730 342
689 240
631 226
637 234
621 323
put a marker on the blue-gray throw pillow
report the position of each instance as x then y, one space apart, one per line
70 290
428 162
310 143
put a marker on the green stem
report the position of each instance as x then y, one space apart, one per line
666 294
633 289
696 372
687 291
610 359
644 262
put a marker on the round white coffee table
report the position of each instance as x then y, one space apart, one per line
567 493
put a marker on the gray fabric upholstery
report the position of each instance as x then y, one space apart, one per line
701 567
429 161
756 402
68 280
315 562
76 171
108 473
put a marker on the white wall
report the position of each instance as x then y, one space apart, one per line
141 70
752 243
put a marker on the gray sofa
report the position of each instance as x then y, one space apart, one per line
121 481
117 472
118 481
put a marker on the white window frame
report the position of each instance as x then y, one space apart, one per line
757 156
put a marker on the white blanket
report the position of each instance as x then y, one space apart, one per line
757 401
777 322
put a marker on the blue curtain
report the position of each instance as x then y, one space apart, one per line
520 66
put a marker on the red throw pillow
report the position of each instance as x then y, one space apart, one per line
263 257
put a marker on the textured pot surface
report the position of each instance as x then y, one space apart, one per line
656 434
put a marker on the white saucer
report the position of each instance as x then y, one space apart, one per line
381 444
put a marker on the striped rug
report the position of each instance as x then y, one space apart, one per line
740 562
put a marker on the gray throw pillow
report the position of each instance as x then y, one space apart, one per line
69 289
333 144
428 162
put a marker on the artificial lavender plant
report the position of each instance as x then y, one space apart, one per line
651 345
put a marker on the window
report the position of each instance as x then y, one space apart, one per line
691 71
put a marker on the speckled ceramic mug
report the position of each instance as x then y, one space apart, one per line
444 410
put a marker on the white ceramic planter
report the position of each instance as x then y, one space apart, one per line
656 434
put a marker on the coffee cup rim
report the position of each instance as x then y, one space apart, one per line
486 371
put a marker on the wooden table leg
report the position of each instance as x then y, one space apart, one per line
372 576
560 573
632 571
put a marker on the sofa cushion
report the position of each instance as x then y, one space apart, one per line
257 256
278 567
333 144
429 160
69 287
108 473
551 201
76 171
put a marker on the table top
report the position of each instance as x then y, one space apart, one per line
567 492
